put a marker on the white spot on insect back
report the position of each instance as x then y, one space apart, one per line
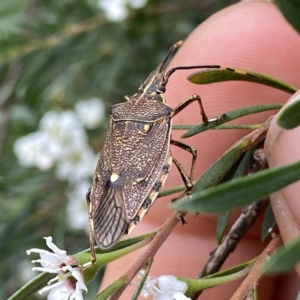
114 177
146 127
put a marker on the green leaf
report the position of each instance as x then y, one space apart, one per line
291 11
232 115
224 217
171 191
126 242
268 222
221 225
219 75
123 243
289 116
255 293
284 258
221 167
142 282
11 17
111 289
32 286
223 126
227 275
232 270
241 191
105 258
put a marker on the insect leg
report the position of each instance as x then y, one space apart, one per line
192 99
189 149
186 180
91 227
187 102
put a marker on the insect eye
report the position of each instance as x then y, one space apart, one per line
160 89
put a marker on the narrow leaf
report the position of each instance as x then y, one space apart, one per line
291 11
289 116
222 166
105 258
195 285
268 223
128 242
221 225
171 191
224 217
284 258
223 126
241 191
255 293
232 115
32 286
123 243
142 282
111 289
219 75
232 270
219 169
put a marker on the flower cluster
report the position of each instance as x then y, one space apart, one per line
69 283
165 287
117 10
62 142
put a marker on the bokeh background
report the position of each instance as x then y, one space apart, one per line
63 63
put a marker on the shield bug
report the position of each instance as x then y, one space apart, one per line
135 160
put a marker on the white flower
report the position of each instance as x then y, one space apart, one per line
165 287
76 163
34 150
75 159
170 284
90 112
116 10
60 140
70 284
62 128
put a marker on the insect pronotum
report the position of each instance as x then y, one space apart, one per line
135 160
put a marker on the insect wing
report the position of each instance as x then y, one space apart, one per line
115 204
109 218
144 167
107 206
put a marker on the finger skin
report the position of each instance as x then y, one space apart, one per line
282 147
251 36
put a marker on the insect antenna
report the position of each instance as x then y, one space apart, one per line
172 70
171 50
218 67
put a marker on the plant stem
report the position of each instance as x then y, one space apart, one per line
251 280
154 246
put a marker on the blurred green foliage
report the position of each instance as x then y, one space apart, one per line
52 54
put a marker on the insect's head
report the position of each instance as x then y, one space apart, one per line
156 81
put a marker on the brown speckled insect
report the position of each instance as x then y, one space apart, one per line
135 160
